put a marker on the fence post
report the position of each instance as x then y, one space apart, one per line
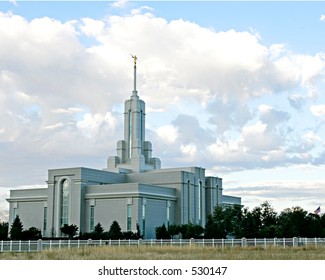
1 246
78 243
243 242
295 241
151 242
10 247
274 241
264 242
255 243
203 242
212 242
39 245
222 243
50 244
28 245
19 247
232 242
60 244
284 242
315 242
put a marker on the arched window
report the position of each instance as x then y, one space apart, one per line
65 194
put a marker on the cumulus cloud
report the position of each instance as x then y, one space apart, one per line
62 85
322 18
318 110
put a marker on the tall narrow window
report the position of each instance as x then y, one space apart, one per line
189 201
144 203
15 213
168 213
92 218
65 194
141 127
129 217
200 202
130 133
44 221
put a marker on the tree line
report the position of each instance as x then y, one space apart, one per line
71 231
261 222
225 222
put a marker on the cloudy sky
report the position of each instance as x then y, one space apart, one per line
235 87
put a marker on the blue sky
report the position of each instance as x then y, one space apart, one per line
235 87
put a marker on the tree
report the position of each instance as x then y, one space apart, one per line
191 231
162 233
214 227
32 233
3 231
174 230
115 231
16 229
70 230
98 232
292 222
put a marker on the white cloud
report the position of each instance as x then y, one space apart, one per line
67 111
119 4
322 18
188 150
318 110
207 93
168 133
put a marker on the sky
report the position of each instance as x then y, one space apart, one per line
234 87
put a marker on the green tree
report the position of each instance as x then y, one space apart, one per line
162 232
191 231
16 229
214 227
31 234
173 230
292 222
115 231
98 231
70 230
3 230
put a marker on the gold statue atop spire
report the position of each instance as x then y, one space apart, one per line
135 59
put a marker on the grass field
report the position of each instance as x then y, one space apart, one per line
172 253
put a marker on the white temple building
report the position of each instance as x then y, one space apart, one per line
132 189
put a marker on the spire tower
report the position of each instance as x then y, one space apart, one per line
135 74
134 153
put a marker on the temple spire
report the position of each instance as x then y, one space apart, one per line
135 74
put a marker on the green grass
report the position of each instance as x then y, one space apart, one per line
172 253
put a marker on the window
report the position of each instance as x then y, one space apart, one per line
144 203
188 201
168 213
65 194
44 221
15 213
130 133
200 202
92 218
129 217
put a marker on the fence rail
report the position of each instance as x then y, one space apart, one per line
39 245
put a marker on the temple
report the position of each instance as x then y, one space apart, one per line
133 189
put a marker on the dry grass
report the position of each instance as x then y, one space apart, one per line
172 253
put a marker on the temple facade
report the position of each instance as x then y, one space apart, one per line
132 189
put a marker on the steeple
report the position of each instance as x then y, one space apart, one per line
135 75
133 153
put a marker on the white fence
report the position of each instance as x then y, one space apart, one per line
39 245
